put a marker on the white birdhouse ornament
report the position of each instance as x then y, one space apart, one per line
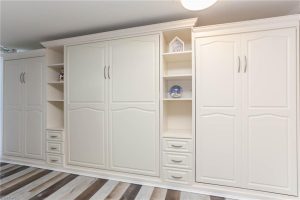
176 45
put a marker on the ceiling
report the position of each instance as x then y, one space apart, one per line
24 24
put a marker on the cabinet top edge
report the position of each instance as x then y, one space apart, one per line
263 23
25 54
152 28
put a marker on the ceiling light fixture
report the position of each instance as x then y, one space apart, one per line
197 4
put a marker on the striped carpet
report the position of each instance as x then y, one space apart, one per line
22 182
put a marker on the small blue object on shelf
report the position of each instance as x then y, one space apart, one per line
175 91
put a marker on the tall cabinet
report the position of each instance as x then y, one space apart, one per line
23 134
246 110
113 105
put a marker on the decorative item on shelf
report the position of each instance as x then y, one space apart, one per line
176 45
61 75
175 91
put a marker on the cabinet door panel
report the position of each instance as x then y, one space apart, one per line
34 137
218 110
34 117
86 73
86 141
13 108
270 111
134 105
87 105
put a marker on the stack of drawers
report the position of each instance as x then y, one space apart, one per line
177 160
55 147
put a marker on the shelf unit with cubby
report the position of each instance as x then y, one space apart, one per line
177 69
55 88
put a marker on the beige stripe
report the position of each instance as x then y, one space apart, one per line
16 175
144 193
159 194
26 191
10 169
72 189
21 178
105 190
193 196
6 167
118 191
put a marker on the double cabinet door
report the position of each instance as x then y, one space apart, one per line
112 105
23 108
246 110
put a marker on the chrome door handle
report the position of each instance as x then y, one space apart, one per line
177 161
21 77
109 71
105 72
246 64
177 177
24 77
239 69
176 146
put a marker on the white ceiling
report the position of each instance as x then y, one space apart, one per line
25 23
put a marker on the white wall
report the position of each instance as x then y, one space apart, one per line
1 104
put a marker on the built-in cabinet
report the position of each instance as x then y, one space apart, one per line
233 131
112 104
23 134
246 110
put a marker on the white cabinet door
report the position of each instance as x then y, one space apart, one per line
86 105
270 111
13 108
34 115
134 105
218 110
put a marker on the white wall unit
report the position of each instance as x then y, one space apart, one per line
133 107
24 107
87 104
246 110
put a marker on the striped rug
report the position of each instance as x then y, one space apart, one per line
23 182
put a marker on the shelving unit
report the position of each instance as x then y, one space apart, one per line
55 89
177 70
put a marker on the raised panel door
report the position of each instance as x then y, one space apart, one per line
34 133
13 108
269 112
134 105
86 104
218 110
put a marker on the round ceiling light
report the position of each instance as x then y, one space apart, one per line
197 4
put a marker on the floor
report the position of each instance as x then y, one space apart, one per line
23 182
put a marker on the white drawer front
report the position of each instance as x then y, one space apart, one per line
55 147
181 176
54 136
178 145
177 160
54 159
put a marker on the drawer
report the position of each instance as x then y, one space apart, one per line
55 147
177 160
55 135
180 176
54 159
177 145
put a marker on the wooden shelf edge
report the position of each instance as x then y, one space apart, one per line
56 65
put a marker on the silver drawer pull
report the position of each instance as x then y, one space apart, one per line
52 160
53 136
176 146
177 177
53 148
177 161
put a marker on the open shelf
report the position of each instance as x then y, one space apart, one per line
178 133
186 85
178 77
177 121
56 65
177 99
55 114
178 56
55 88
183 34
